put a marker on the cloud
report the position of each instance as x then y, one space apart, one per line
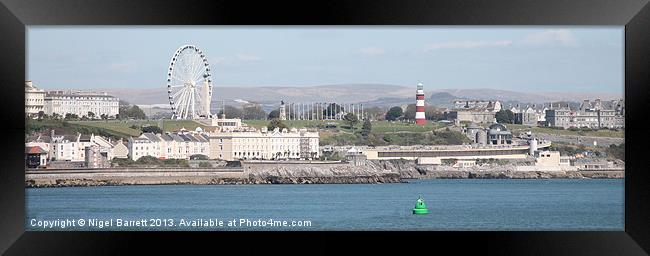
372 51
467 45
217 60
236 60
123 67
549 37
248 57
561 37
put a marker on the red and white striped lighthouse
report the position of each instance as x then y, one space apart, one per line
419 106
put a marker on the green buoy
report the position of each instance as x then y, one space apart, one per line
420 207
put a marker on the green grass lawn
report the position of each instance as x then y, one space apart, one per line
124 126
398 132
127 128
290 123
64 127
377 126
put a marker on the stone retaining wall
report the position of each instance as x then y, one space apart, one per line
305 173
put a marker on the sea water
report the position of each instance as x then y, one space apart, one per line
454 204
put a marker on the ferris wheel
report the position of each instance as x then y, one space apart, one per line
189 84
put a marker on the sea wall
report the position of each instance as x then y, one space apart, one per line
392 171
282 173
249 173
410 170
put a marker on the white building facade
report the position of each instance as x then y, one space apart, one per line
180 145
34 99
263 144
80 103
596 114
73 147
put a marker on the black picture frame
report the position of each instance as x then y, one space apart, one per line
634 15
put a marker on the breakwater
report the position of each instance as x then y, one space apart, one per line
293 173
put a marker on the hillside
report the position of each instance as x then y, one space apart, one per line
371 94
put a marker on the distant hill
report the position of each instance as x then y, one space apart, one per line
443 99
370 94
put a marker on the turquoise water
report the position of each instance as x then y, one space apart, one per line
454 204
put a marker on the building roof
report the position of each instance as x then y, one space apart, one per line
591 161
184 138
176 137
116 142
151 137
353 151
166 137
77 94
70 138
200 138
497 126
84 138
30 138
473 126
495 132
38 138
35 150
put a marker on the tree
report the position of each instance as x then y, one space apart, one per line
351 119
123 109
394 113
432 113
274 114
505 117
152 129
199 157
276 123
366 128
122 162
70 116
375 113
231 112
148 160
41 115
616 151
333 109
409 114
253 112
136 113
91 115
126 110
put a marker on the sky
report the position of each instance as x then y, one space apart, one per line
518 58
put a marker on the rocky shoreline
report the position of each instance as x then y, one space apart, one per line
215 181
302 173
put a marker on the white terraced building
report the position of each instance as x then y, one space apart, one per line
476 111
232 140
80 103
72 147
596 114
264 144
34 99
180 145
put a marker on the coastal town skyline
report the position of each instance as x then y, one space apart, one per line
531 59
200 108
